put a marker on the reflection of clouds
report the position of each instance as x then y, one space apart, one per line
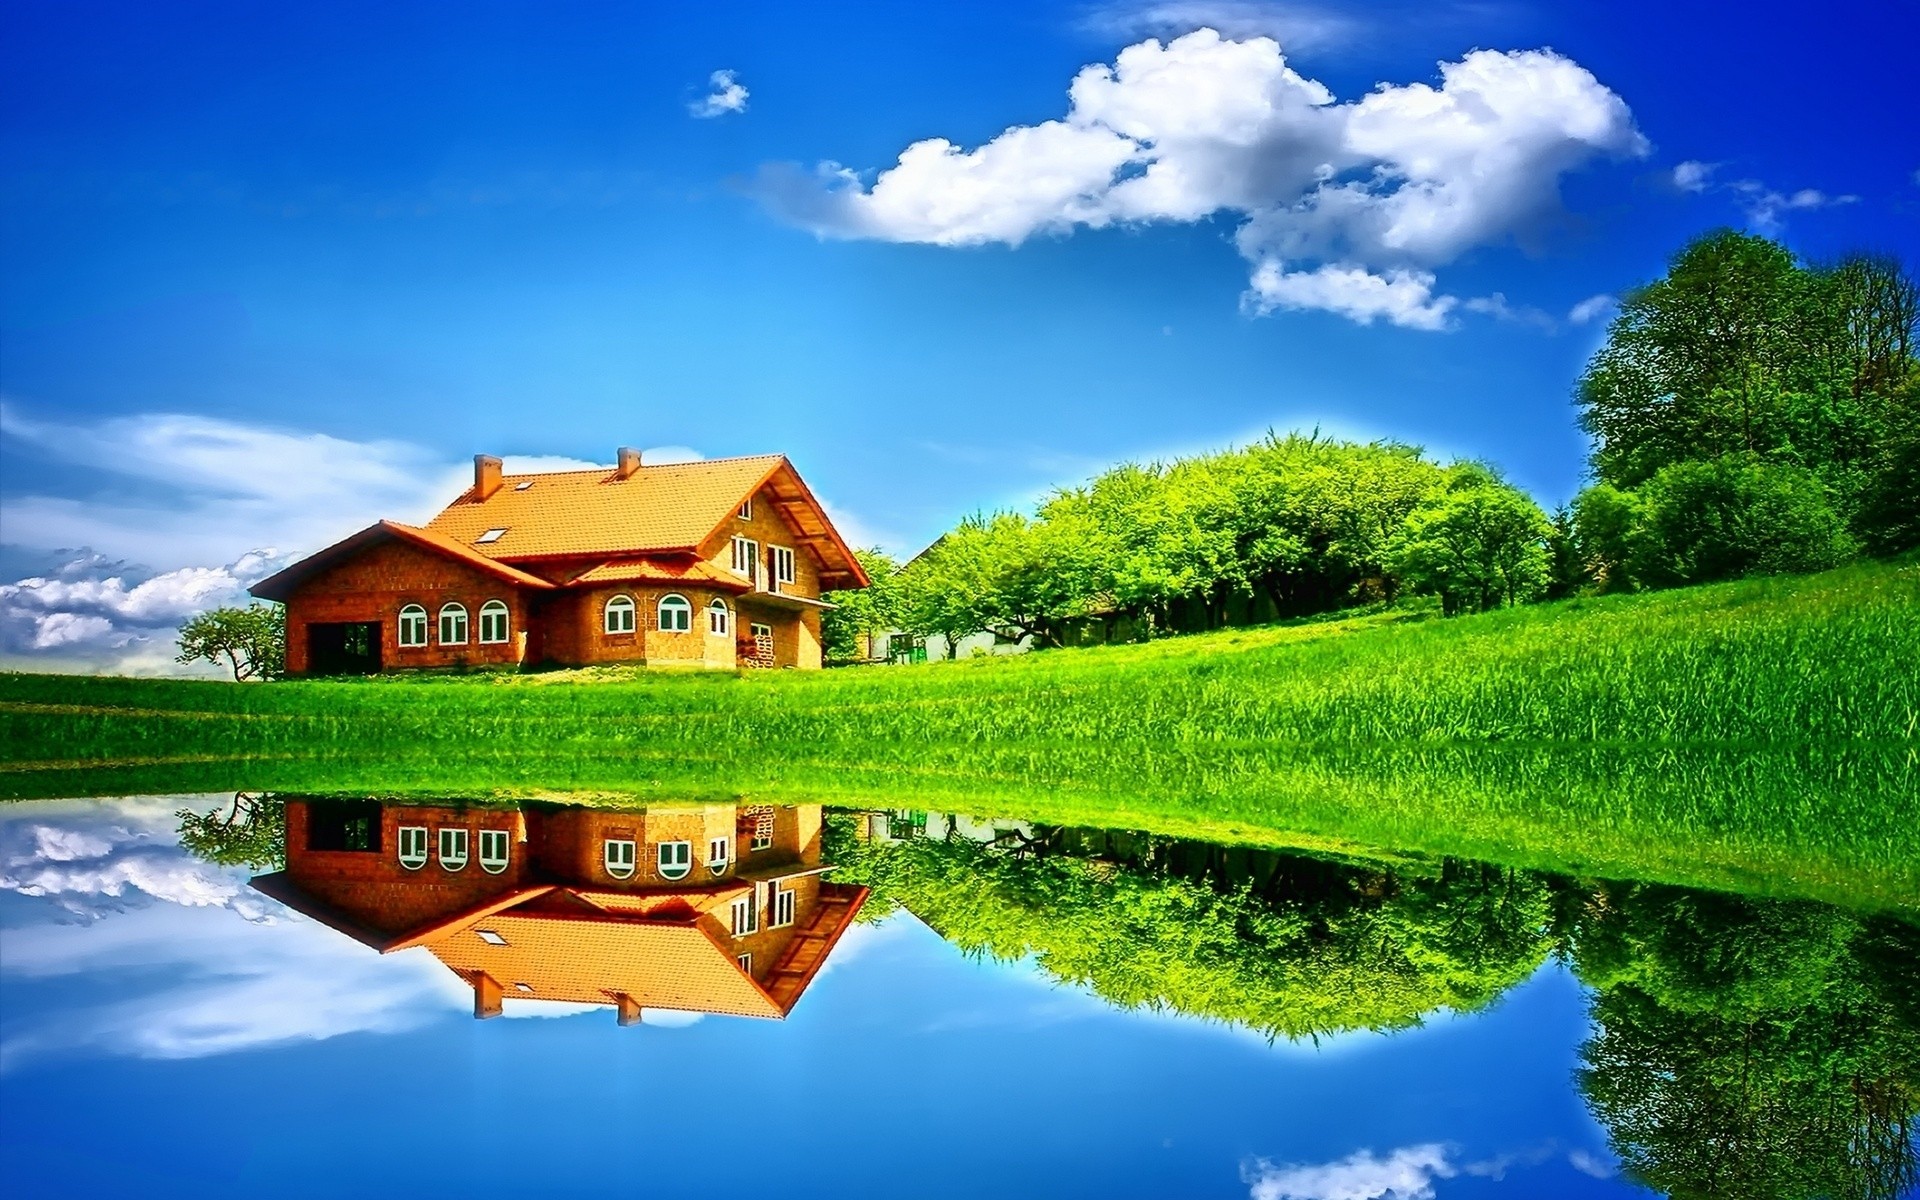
104 858
1405 1174
175 974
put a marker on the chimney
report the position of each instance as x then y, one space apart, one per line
629 1009
486 996
486 476
629 463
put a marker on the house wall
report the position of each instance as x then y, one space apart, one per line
769 529
375 584
375 890
575 631
569 844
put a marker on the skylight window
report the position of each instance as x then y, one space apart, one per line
523 485
523 987
491 535
490 937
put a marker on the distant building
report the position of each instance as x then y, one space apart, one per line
719 563
707 908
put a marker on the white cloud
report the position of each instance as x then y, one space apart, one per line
1694 176
1405 1174
1591 309
727 96
1400 297
1765 207
1589 1163
200 964
125 565
1393 185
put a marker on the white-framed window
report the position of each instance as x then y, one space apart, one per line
491 535
490 937
453 625
746 509
746 963
413 626
719 854
719 618
453 849
783 903
746 917
495 846
619 615
782 563
493 622
761 841
618 856
746 558
413 846
676 615
674 859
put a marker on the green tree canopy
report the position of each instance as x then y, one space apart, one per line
1479 543
251 641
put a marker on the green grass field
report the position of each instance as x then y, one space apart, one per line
1759 735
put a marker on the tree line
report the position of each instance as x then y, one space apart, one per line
1750 413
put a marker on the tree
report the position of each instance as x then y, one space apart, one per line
1605 521
252 640
1478 544
251 832
1732 516
847 630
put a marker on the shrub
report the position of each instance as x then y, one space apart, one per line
1731 516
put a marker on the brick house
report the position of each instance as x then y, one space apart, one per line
698 908
718 564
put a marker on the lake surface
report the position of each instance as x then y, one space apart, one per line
277 996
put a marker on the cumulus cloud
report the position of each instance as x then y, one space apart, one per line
199 963
1325 192
1405 1174
1765 207
727 96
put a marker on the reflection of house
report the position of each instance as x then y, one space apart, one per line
901 825
698 908
709 564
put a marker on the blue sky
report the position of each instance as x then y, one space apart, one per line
274 272
265 1054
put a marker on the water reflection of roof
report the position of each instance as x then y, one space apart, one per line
632 950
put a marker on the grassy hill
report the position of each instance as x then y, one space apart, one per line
1759 735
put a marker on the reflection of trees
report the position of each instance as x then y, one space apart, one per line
250 831
1287 945
1747 1048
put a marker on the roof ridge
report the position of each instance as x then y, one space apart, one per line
644 466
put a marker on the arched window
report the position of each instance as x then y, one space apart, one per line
493 622
453 849
674 859
719 618
413 838
620 615
453 625
413 626
617 854
495 847
676 615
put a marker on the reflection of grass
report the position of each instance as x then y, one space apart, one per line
1758 734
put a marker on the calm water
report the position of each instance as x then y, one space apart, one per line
277 996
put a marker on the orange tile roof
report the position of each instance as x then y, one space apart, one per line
654 570
281 586
676 966
673 506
